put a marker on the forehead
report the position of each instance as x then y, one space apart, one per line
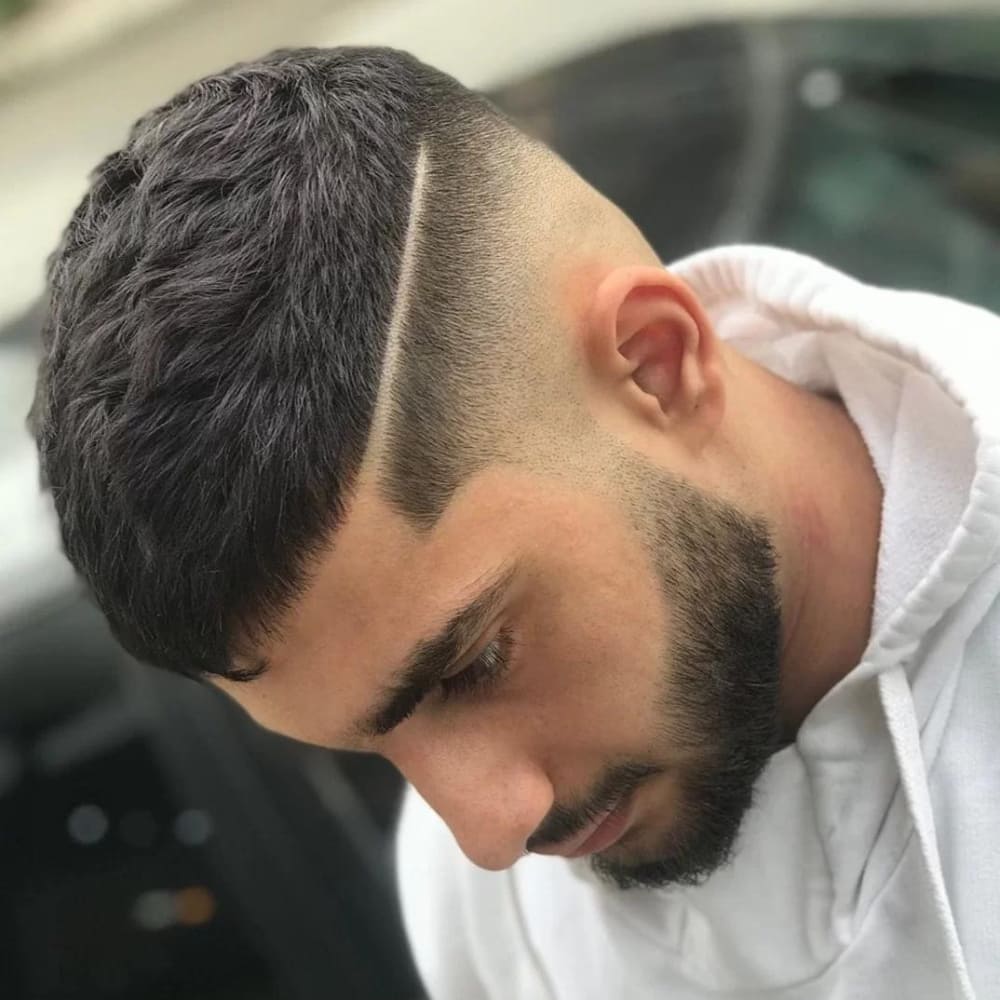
376 590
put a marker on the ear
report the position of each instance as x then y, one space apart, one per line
650 342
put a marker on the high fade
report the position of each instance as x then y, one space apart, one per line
218 329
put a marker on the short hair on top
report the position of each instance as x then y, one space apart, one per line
218 321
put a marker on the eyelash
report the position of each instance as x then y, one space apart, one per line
484 671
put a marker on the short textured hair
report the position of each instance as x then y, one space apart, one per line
216 336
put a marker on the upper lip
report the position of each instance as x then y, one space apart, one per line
567 847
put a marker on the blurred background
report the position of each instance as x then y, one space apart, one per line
154 843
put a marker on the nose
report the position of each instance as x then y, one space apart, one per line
491 796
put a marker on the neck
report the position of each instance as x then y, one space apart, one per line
825 503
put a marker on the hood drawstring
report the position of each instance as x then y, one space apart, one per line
901 719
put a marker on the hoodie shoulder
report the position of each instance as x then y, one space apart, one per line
428 863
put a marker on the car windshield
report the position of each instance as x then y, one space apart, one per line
893 171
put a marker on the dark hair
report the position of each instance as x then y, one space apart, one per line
217 323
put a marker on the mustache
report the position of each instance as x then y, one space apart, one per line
564 822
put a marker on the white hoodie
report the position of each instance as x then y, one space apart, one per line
869 866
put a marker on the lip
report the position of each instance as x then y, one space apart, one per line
606 830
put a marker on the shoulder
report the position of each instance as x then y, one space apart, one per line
429 862
426 864
435 902
465 925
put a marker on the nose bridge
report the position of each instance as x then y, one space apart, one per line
491 792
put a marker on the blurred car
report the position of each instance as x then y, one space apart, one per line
153 841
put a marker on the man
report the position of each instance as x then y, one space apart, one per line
672 592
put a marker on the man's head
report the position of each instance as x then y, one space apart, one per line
335 352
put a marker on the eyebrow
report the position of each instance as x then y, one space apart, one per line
430 659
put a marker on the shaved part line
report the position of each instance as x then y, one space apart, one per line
390 363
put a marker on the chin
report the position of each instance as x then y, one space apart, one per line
686 854
621 871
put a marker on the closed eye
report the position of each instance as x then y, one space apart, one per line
484 672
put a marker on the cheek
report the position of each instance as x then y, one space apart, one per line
599 653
